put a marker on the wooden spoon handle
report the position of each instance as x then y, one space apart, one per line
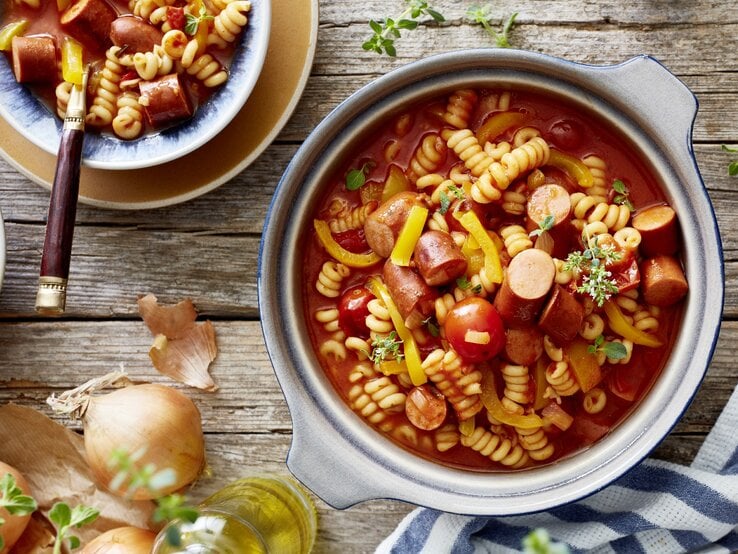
52 285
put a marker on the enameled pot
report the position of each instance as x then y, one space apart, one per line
339 456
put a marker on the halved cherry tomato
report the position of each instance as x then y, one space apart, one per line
352 311
478 316
628 277
626 381
176 17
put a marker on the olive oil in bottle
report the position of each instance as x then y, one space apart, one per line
254 515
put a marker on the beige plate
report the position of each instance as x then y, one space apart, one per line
286 69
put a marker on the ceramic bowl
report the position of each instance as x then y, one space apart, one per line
33 120
345 461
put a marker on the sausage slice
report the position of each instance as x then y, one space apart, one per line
414 298
523 346
34 59
384 224
438 259
662 281
659 230
164 100
89 22
527 281
134 33
562 316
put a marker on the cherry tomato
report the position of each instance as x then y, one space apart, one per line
176 18
352 240
475 314
352 311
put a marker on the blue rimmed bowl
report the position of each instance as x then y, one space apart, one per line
36 122
345 461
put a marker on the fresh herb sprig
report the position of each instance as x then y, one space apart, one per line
546 224
387 348
623 194
445 199
483 14
612 349
66 519
732 166
192 22
14 501
169 507
356 178
591 263
465 284
389 29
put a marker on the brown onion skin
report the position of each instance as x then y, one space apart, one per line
14 526
122 540
161 418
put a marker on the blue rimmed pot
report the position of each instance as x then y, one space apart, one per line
344 460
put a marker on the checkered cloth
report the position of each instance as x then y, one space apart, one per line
657 507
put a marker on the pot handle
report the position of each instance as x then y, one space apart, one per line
642 85
339 475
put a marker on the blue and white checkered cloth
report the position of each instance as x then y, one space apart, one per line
657 507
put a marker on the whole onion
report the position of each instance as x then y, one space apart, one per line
122 540
157 423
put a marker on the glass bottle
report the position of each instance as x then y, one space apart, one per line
264 514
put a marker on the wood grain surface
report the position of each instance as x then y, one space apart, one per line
207 248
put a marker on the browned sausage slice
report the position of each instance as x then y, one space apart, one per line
164 100
384 224
89 22
562 316
549 200
438 259
34 59
135 34
414 298
659 231
527 281
662 281
523 346
425 407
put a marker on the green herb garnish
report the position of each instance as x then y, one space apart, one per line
732 166
387 348
65 519
482 15
597 281
613 350
385 32
545 225
356 178
622 197
192 22
465 284
432 326
13 500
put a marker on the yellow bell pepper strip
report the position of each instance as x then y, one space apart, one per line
498 123
467 426
573 166
392 367
492 264
410 347
72 61
15 29
474 256
396 182
620 325
344 256
584 364
409 235
492 402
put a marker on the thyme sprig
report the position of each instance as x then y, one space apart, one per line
483 14
192 22
387 348
389 29
623 194
356 178
591 263
445 199
546 224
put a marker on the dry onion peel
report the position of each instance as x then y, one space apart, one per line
183 349
159 421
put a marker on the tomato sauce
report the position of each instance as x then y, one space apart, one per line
564 127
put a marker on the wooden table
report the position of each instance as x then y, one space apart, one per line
206 249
